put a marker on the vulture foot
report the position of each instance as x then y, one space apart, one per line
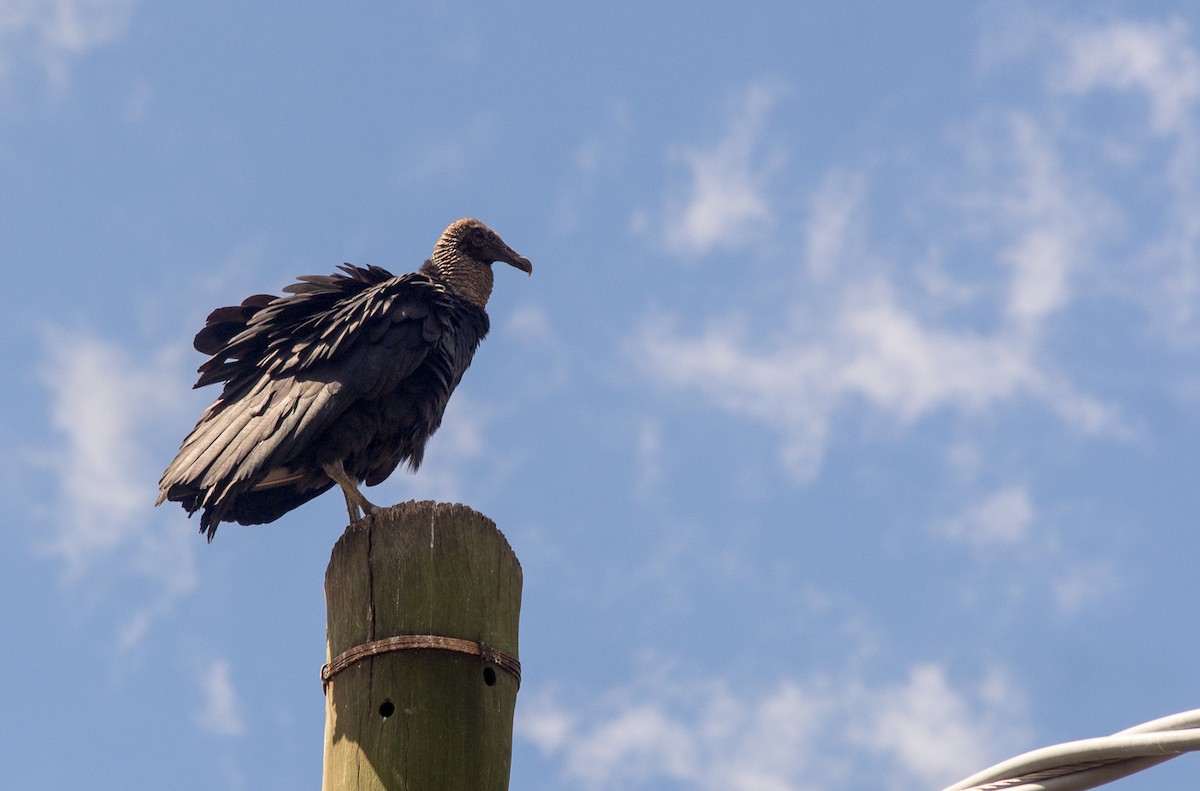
357 506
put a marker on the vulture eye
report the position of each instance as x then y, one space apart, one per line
478 242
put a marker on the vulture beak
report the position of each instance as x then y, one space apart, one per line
513 258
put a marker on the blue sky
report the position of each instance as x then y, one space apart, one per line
846 431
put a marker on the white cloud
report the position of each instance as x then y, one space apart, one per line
103 402
784 387
885 323
55 33
935 733
1020 556
1081 583
97 395
726 203
1049 227
1155 59
1144 76
545 723
872 350
531 324
799 734
903 365
1004 517
831 235
649 457
640 742
221 711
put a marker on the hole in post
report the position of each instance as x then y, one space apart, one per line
387 709
489 677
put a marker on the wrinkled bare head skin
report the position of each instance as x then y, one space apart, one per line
462 259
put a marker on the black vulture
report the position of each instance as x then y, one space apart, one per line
336 383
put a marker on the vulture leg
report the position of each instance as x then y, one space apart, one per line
357 505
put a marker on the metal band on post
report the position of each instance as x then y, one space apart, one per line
408 642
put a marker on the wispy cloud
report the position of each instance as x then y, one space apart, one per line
936 733
53 34
1046 218
1019 553
1154 65
1003 517
649 457
832 232
103 402
220 712
952 311
874 350
725 202
821 732
1145 74
1155 59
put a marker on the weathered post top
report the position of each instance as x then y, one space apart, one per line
423 603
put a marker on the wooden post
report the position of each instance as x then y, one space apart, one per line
423 718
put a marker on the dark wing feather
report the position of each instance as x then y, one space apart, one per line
329 371
224 323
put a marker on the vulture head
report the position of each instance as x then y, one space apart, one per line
463 258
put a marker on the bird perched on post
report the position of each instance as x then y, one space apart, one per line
336 383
